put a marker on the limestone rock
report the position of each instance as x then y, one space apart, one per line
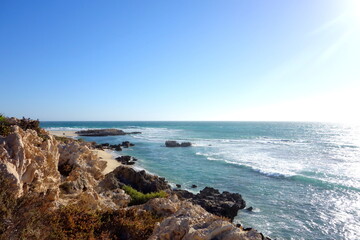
30 161
187 221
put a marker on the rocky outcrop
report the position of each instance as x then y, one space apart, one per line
140 180
224 204
103 132
30 162
65 172
176 144
186 221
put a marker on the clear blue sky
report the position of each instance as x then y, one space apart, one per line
180 60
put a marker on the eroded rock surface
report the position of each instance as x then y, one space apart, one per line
186 221
30 162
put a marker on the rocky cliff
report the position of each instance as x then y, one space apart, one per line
57 191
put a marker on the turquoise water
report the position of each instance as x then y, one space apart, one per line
303 179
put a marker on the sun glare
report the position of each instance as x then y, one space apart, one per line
355 11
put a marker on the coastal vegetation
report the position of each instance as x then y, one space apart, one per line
79 222
4 126
32 219
139 197
24 123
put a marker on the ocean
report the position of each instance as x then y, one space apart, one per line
302 179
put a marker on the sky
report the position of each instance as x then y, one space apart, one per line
202 60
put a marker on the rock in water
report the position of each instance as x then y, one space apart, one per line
185 144
103 132
176 144
172 144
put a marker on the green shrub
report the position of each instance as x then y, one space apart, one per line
139 197
5 128
27 123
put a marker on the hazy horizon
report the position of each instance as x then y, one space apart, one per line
181 61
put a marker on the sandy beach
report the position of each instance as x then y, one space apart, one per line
103 154
63 133
109 158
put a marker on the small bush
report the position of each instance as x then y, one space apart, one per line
78 222
74 222
24 123
8 203
5 128
27 123
128 224
139 197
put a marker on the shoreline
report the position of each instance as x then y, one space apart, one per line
104 155
70 134
77 182
111 162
